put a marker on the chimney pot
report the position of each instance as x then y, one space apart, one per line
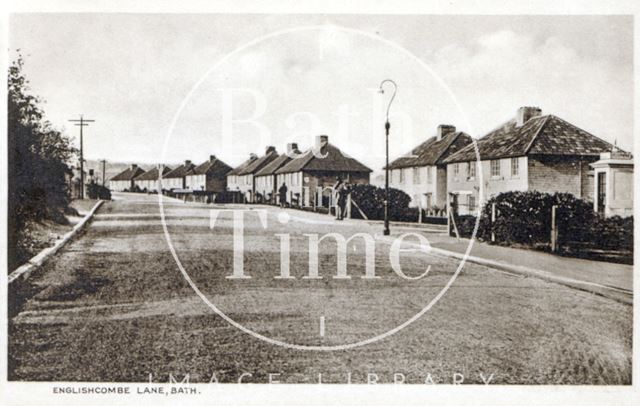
444 130
270 149
526 113
321 140
291 147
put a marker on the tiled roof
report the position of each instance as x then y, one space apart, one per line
432 151
212 167
259 163
242 166
179 172
542 135
152 174
334 161
128 174
274 165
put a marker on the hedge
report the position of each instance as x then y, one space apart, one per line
370 199
525 218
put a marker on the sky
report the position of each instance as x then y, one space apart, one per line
172 87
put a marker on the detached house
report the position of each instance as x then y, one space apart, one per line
176 179
530 152
210 176
124 181
246 181
422 174
309 176
148 181
266 188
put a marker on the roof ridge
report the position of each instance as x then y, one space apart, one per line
535 136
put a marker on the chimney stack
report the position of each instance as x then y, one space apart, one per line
444 130
253 156
134 167
187 162
292 147
322 140
212 158
270 149
526 113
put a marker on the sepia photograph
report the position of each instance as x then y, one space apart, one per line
221 201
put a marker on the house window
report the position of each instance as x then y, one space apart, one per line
472 203
416 175
515 168
429 174
401 175
456 170
471 170
495 168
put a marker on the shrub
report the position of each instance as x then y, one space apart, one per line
371 198
95 191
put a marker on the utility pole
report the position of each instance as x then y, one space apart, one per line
104 162
82 123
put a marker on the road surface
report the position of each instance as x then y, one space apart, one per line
113 305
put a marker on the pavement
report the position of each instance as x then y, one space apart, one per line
112 305
612 279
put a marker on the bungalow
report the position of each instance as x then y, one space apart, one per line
308 176
266 186
176 179
209 176
246 181
529 152
148 181
124 181
234 181
421 173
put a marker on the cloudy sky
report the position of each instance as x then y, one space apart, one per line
174 87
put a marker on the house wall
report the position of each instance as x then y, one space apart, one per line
265 185
306 184
149 185
214 183
233 182
173 183
245 185
462 184
417 187
562 174
120 185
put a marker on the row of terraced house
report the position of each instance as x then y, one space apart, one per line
532 151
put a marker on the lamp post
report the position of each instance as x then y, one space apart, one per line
387 126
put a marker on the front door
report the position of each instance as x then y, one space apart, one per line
602 191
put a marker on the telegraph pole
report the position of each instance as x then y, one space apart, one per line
82 123
104 162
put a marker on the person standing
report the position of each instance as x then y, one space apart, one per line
337 192
343 196
283 194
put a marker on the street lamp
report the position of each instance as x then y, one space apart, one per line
386 167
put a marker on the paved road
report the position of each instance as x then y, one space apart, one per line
114 306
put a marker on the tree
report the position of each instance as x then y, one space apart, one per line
37 162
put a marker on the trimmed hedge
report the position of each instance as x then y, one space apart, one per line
370 199
525 218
